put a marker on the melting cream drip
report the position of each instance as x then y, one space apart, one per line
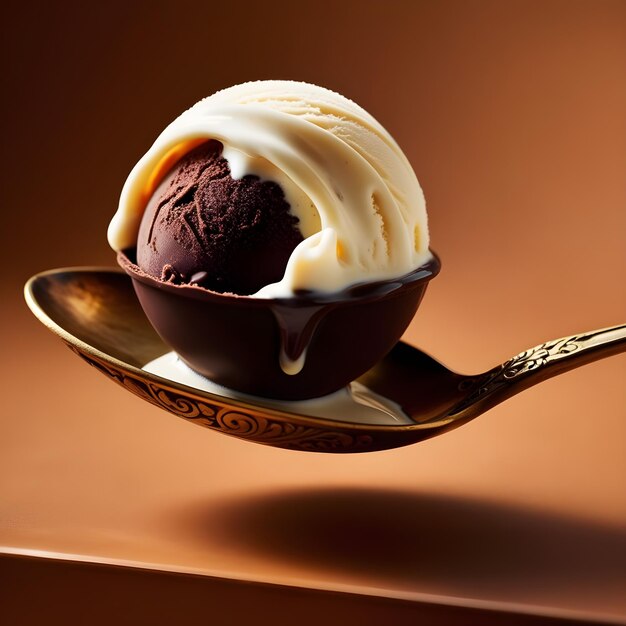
241 165
361 209
354 403
290 366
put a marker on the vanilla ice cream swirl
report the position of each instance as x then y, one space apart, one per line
361 209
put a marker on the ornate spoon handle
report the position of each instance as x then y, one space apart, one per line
536 365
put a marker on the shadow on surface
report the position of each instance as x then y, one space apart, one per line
428 543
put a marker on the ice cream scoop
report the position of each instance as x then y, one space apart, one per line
360 208
203 227
277 239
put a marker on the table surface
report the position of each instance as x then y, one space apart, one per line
523 508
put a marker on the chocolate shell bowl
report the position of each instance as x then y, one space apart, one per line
324 341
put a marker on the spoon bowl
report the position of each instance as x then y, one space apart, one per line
96 313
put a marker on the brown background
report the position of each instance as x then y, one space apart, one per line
514 117
512 113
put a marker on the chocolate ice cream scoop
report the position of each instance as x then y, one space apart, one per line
202 226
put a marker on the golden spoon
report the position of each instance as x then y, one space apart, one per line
96 313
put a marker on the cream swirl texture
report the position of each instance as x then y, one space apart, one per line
361 209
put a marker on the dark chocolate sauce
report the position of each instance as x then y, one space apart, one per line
297 326
291 348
